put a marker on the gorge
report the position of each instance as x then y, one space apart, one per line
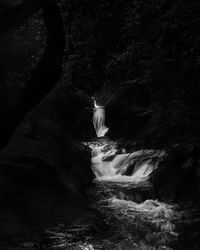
100 125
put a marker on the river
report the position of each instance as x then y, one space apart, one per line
124 213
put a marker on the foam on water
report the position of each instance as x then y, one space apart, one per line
109 165
99 120
153 209
118 176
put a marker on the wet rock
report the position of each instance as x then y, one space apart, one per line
177 177
44 169
31 52
124 112
42 180
108 158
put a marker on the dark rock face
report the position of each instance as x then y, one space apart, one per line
42 181
125 113
31 51
44 169
46 164
152 48
177 178
64 111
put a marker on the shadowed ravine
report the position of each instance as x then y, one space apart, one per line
125 213
100 125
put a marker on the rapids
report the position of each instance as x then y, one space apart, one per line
121 178
113 164
108 164
124 213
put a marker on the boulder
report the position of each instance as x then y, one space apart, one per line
177 177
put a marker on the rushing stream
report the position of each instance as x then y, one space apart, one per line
124 214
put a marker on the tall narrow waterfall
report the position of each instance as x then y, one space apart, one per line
99 120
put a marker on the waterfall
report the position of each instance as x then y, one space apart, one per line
112 164
125 191
99 120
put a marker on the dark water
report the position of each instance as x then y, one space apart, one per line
120 220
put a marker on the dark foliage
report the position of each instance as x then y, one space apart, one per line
140 58
153 44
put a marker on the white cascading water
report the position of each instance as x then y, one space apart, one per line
120 178
113 166
99 120
109 164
